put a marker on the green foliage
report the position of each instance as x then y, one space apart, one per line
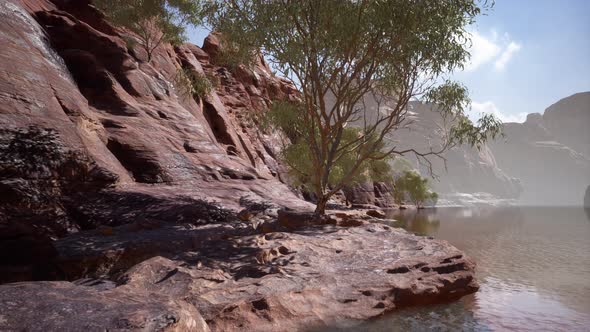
287 117
231 55
400 166
153 21
412 185
130 43
298 157
343 50
452 100
192 84
465 131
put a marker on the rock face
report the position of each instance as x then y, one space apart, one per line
568 120
91 309
369 195
85 120
548 153
237 279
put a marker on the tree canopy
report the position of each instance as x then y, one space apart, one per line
415 187
153 21
337 52
297 155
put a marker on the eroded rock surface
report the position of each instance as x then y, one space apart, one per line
92 134
370 195
239 279
64 306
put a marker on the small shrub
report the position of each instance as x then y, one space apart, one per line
231 56
192 84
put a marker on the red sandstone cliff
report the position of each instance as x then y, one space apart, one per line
80 112
92 134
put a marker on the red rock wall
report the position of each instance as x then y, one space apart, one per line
80 112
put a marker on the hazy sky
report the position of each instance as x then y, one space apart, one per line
526 55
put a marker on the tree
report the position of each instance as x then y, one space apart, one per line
297 155
400 166
153 21
337 52
414 186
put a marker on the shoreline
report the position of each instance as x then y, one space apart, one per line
229 277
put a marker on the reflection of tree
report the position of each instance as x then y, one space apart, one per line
419 222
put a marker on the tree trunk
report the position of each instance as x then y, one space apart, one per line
320 208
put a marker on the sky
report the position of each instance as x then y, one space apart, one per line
525 56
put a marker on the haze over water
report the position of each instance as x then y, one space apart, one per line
533 265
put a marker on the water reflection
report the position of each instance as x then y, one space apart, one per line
416 221
533 267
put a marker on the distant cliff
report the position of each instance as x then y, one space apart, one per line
464 169
544 161
568 120
550 153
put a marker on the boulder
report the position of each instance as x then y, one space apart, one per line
376 214
296 219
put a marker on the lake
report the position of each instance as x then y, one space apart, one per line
533 268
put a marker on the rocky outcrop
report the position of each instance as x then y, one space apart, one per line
237 279
369 195
85 119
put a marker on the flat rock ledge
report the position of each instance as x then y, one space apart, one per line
153 277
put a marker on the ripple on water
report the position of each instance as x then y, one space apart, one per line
503 305
533 267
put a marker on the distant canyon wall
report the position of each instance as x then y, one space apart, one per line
550 153
543 161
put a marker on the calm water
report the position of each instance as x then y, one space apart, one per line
533 267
